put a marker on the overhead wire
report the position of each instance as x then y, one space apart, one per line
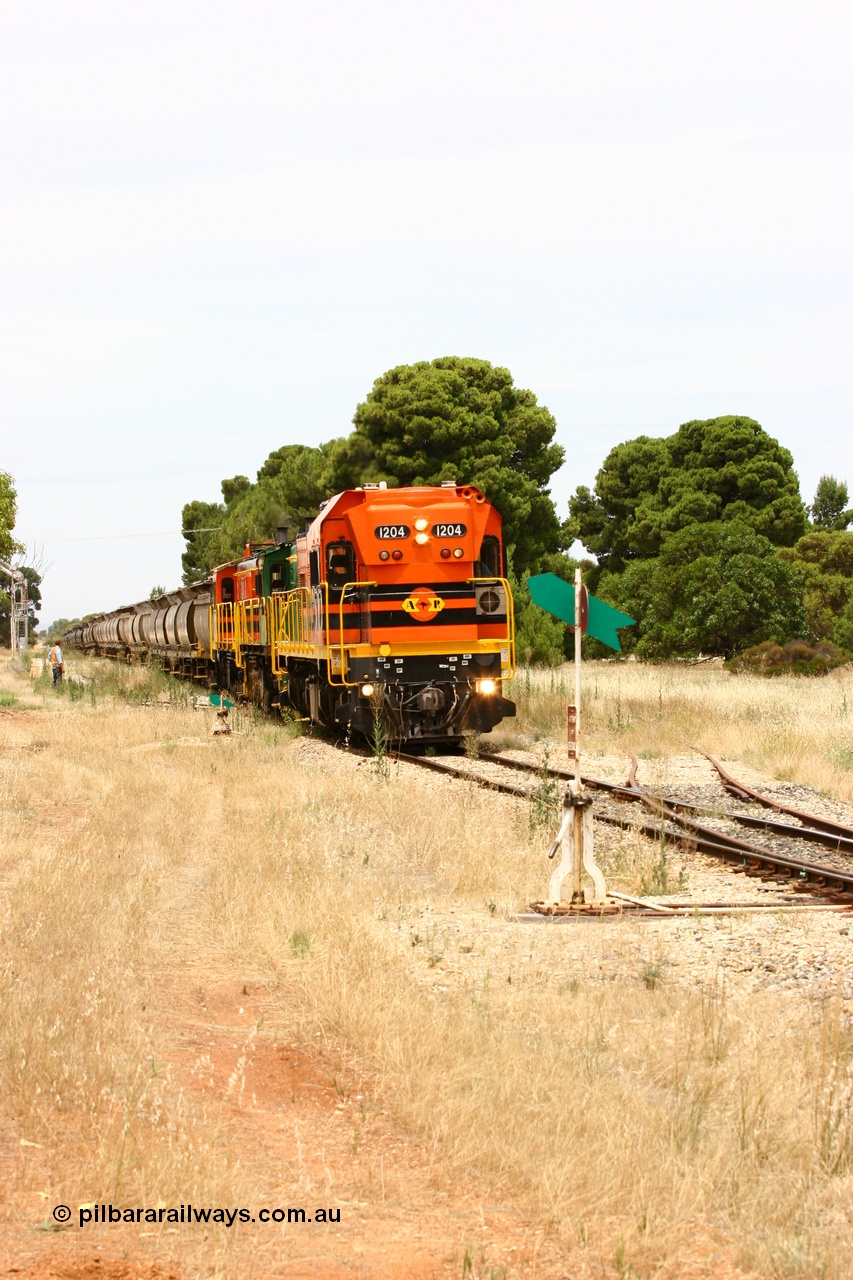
114 537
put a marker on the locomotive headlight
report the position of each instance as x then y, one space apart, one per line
367 690
486 686
421 524
421 538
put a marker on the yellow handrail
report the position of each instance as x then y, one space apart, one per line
253 614
290 632
341 646
510 622
222 630
239 628
248 616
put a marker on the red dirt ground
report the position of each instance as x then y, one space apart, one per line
302 1117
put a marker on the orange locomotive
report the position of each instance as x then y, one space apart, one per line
393 602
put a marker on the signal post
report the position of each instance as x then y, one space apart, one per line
574 841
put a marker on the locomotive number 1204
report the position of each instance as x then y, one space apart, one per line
386 531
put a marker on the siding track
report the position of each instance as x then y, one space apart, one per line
676 819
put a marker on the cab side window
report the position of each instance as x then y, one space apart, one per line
227 590
340 564
489 563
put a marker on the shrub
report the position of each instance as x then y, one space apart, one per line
797 657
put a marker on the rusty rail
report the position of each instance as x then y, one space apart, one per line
754 859
743 792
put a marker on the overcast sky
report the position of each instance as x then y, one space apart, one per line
219 222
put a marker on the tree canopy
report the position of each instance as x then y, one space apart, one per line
8 548
829 510
715 588
290 486
8 513
462 419
451 418
201 523
824 562
717 470
59 628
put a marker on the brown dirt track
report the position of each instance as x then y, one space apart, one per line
304 1112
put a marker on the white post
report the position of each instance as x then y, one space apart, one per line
578 640
575 837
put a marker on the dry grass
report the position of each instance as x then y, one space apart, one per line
81 1069
633 1118
799 729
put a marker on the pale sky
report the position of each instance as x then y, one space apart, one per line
220 222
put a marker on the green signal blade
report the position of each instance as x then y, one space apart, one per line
553 595
604 620
217 701
558 598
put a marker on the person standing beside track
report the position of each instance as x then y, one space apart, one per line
55 658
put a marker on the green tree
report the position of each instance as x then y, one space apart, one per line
299 478
420 424
200 524
290 486
843 631
824 562
235 489
829 510
540 640
59 628
719 469
8 513
461 419
715 588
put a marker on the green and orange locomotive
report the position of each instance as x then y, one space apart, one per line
393 604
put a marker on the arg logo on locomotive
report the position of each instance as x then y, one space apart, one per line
423 604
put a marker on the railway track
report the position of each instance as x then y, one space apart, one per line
678 820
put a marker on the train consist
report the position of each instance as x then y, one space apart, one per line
393 603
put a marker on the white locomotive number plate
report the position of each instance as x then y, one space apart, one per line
385 532
449 530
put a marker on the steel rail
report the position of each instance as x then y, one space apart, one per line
743 792
754 859
832 835
437 766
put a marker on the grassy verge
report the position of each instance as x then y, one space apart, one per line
795 728
647 1125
